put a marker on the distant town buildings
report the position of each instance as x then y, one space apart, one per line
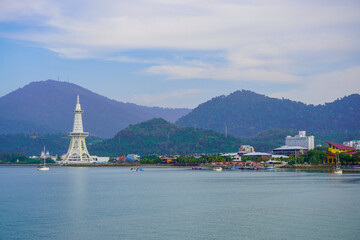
301 140
295 146
353 143
45 154
243 149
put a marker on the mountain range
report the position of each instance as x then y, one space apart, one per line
47 107
245 113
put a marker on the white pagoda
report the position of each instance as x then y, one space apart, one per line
78 152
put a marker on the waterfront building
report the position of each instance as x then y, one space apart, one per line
77 152
294 151
132 158
258 155
336 148
96 159
280 157
169 159
243 149
301 140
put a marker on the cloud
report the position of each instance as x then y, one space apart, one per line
279 41
327 87
180 24
227 73
178 98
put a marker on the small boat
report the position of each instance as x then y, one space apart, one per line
218 169
43 167
338 171
196 168
270 168
337 165
136 169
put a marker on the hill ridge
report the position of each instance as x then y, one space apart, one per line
246 113
47 107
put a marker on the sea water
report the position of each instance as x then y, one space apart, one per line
172 203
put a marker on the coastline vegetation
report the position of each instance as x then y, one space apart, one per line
20 158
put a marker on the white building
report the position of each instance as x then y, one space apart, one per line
354 143
96 159
245 149
301 140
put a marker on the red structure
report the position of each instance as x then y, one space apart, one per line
335 148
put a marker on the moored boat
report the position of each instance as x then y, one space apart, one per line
136 169
43 167
337 165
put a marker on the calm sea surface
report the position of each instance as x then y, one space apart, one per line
116 203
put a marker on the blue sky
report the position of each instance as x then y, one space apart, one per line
181 53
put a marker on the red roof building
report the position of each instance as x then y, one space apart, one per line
336 148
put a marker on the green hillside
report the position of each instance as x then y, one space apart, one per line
246 113
31 144
158 136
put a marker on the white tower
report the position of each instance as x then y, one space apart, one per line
77 152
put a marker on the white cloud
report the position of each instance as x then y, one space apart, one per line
227 73
327 87
178 98
180 24
275 41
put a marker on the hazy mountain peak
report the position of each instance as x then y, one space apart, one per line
47 107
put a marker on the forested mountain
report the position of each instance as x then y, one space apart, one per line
47 107
158 136
245 113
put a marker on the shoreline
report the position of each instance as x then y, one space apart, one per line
205 166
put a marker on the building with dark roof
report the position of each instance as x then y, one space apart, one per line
294 151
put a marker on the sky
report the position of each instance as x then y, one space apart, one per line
180 53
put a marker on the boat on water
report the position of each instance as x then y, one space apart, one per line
136 169
338 169
43 167
196 168
257 168
218 169
270 168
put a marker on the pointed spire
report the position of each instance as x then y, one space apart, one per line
78 106
78 126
